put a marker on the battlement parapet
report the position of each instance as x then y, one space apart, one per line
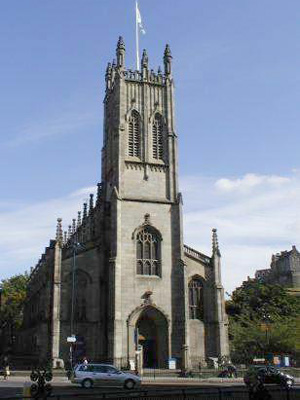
117 69
196 254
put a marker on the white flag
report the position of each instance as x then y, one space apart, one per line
139 19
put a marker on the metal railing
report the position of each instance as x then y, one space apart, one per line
219 393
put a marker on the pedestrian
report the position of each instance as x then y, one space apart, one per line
85 361
6 371
232 371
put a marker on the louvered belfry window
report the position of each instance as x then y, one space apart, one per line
196 299
157 137
148 252
134 135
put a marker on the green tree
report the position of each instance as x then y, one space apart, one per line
262 319
13 293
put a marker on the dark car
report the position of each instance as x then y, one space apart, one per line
266 375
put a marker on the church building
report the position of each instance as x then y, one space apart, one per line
121 277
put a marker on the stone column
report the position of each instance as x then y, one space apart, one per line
57 362
185 358
115 328
220 317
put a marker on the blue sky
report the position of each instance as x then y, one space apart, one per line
236 69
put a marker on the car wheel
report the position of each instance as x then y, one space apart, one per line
289 383
87 383
129 384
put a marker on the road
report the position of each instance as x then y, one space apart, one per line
61 385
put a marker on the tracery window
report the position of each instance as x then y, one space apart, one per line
148 248
134 135
82 281
157 137
196 299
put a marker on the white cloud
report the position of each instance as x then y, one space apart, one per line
256 215
83 192
64 124
251 224
250 181
26 231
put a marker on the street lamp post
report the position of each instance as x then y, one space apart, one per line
72 339
73 289
266 326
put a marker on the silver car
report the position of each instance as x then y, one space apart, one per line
104 375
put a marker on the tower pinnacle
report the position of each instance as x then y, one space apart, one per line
215 243
59 233
120 52
168 60
108 76
145 59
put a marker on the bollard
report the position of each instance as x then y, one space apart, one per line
26 390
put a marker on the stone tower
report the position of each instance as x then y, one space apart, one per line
144 230
121 277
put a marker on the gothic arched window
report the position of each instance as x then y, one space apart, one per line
196 299
157 137
134 135
148 258
80 297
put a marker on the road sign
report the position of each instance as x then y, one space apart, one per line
71 339
172 363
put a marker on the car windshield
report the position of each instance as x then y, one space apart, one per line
273 370
103 369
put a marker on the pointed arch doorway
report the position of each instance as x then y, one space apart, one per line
152 327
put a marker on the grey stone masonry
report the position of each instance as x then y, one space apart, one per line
285 269
123 280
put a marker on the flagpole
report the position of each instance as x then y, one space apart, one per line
137 36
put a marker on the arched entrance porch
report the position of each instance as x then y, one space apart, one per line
148 327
